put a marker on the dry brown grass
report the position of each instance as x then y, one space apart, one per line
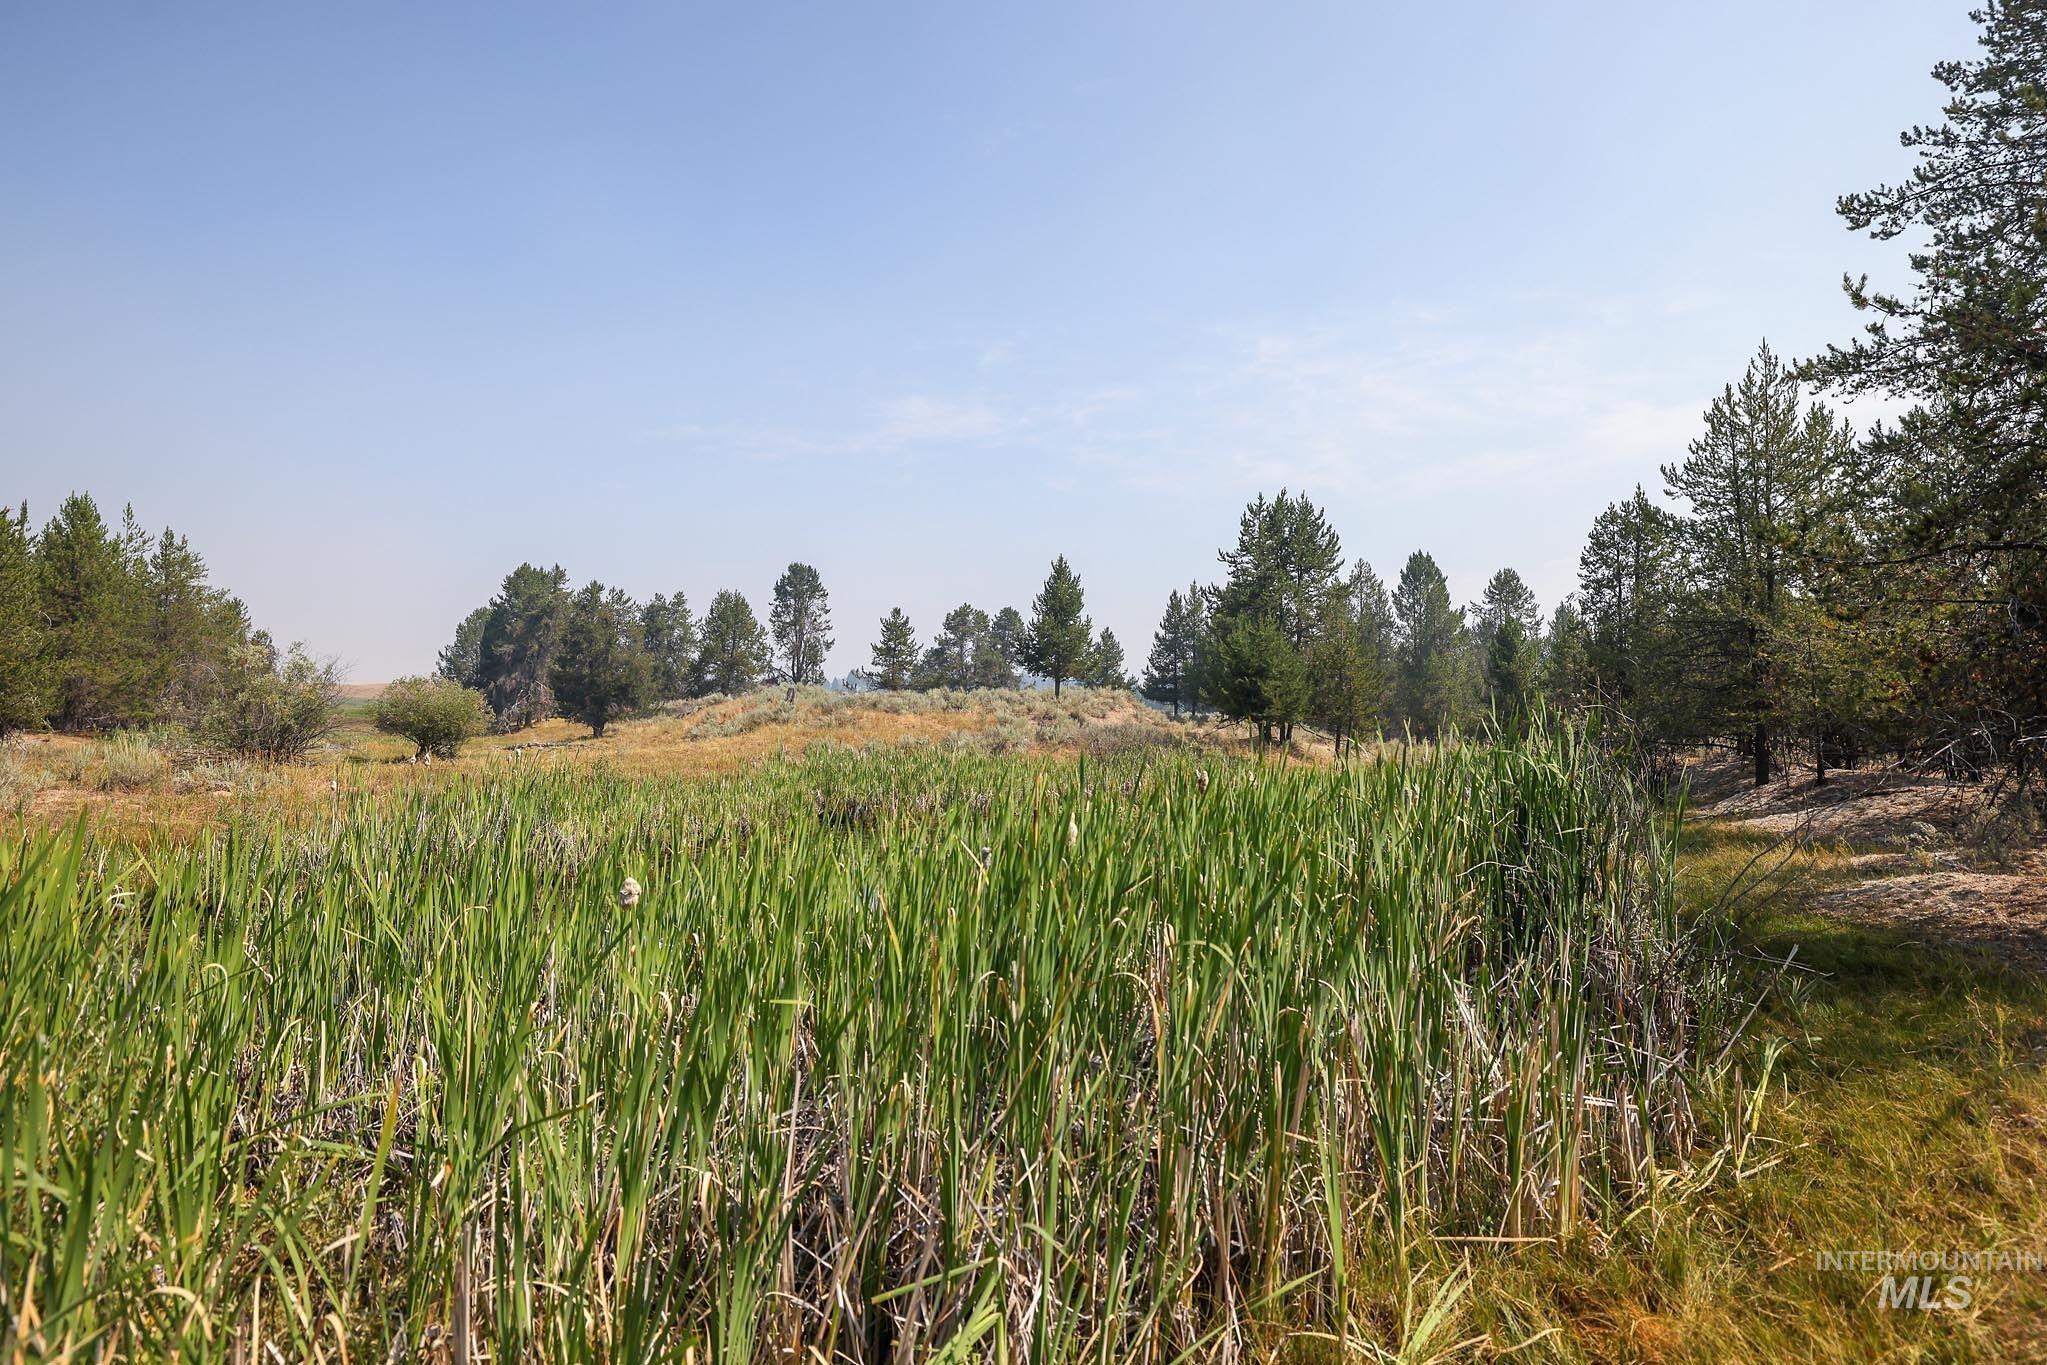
685 739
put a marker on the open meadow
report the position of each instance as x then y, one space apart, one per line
1077 684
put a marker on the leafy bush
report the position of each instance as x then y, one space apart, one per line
275 708
435 714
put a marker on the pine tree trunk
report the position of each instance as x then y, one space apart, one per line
1760 742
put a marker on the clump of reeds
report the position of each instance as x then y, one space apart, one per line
921 1053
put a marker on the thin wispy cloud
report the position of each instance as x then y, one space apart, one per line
1409 406
891 427
1403 403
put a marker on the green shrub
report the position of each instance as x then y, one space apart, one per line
437 715
275 708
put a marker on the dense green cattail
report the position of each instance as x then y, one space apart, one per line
899 1053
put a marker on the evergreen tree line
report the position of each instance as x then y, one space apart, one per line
539 649
1800 591
593 654
1816 594
105 626
1293 635
972 649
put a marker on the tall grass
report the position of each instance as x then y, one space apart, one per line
901 1056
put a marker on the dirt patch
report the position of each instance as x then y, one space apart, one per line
2004 913
1929 872
1861 806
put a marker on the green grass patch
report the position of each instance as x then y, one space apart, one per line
1907 1112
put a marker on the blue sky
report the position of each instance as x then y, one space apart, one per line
375 301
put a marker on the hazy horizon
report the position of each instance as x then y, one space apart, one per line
374 304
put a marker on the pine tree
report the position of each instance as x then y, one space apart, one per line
1258 675
1435 683
1340 680
1007 633
118 627
1105 663
892 665
1349 660
1169 671
600 670
668 632
1565 673
1061 636
1199 633
519 640
1762 481
1284 566
461 660
1511 672
801 622
1507 598
24 657
92 597
1947 594
992 668
1370 611
1281 573
734 655
190 632
962 655
1965 343
1506 629
1630 578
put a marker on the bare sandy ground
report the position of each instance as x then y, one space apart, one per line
2003 912
1921 846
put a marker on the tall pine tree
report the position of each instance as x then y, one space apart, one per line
1435 684
801 622
734 653
892 665
1169 677
1279 575
1949 589
519 640
24 656
1763 483
600 670
668 632
1061 636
